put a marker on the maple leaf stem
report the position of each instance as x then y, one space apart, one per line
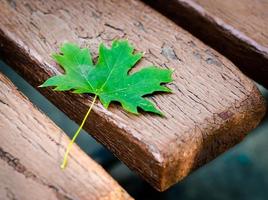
65 159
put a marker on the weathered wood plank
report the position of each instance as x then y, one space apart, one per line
212 107
238 29
31 148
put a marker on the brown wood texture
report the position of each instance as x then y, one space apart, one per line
238 29
31 149
212 107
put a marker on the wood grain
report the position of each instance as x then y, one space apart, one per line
238 29
31 149
212 107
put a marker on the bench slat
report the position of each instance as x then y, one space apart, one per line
212 107
31 148
238 29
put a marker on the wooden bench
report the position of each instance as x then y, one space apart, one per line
212 108
31 148
238 29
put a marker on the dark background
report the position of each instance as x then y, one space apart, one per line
241 173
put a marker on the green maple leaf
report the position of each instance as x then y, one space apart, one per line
109 78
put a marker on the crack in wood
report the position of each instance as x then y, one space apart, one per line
15 163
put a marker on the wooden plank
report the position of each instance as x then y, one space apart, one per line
212 107
31 148
238 29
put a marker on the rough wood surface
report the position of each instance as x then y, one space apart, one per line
31 149
238 29
212 107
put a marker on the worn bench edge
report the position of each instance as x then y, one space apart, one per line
232 130
250 56
165 172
